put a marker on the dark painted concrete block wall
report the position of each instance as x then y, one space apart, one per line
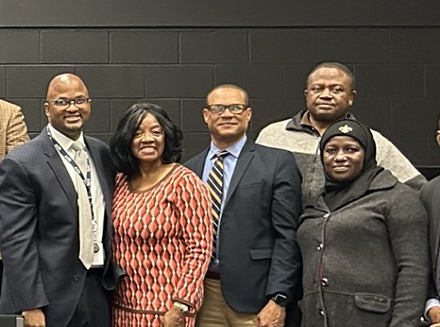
396 69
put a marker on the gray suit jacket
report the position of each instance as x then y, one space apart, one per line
259 256
430 196
39 230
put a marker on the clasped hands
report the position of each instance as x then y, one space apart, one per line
272 315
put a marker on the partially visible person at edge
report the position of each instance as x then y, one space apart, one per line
162 222
55 209
330 92
256 193
13 132
363 240
430 195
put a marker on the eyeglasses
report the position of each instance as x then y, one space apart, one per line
233 108
66 103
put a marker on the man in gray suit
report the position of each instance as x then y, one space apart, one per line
55 215
256 265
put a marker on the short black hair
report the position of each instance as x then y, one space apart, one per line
338 66
229 86
120 144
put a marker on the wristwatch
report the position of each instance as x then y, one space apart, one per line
280 299
182 307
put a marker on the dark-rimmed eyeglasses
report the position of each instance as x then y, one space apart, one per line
233 108
66 103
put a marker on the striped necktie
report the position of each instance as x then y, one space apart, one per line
215 185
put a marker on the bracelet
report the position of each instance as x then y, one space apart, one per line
182 307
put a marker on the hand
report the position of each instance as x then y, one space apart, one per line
173 318
34 318
434 316
272 315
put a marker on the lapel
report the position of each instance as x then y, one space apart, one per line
99 166
199 163
244 159
94 151
435 224
316 208
56 164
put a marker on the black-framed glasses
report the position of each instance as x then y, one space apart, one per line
233 108
63 103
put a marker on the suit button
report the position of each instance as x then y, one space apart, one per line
320 247
76 278
324 282
321 312
326 216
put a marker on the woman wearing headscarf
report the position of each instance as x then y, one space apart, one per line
162 222
363 241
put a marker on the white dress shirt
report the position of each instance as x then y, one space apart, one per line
97 195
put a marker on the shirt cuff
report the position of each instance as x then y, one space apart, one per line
430 304
176 299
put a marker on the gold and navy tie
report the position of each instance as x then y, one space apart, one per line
215 185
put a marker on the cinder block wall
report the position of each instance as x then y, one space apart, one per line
397 71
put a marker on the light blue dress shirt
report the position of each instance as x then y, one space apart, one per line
229 162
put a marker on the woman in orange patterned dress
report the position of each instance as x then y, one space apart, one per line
162 222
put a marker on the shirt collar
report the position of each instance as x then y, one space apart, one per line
234 149
305 119
64 141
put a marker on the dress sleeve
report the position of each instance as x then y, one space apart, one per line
285 271
18 224
194 212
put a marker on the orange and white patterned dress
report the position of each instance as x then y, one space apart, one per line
163 241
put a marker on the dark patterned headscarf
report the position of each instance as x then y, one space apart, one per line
340 193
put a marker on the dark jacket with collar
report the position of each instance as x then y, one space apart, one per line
259 256
365 264
39 228
430 196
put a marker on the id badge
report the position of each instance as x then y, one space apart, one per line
98 255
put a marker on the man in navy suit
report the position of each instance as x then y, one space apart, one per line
256 264
58 267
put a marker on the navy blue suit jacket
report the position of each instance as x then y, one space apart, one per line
39 230
259 256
